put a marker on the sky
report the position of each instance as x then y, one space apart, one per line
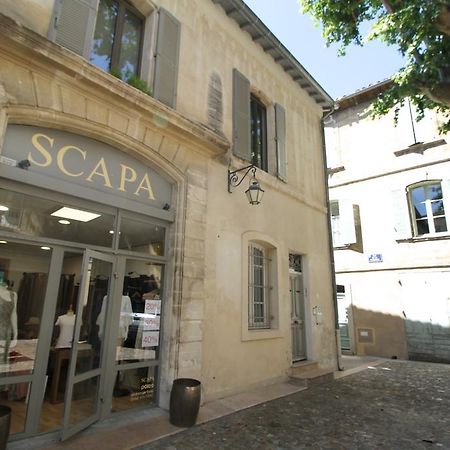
338 75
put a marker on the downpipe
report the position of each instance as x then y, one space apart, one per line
330 239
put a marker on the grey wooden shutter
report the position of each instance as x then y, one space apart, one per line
400 214
73 25
241 116
280 137
166 62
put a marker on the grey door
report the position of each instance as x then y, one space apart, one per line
297 317
85 382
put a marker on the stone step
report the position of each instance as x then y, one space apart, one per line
312 377
301 367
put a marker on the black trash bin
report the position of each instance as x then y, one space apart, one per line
5 422
184 402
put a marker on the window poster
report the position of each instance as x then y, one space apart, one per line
150 339
152 307
151 323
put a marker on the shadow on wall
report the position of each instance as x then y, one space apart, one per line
427 341
377 334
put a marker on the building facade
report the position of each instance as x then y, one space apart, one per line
125 262
390 204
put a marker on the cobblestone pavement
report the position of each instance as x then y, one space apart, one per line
395 405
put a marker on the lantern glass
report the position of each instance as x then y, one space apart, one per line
254 192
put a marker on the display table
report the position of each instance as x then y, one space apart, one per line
58 356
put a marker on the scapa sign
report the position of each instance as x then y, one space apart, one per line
77 159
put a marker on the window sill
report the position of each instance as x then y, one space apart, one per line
255 335
420 147
417 239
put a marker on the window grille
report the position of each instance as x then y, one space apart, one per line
259 288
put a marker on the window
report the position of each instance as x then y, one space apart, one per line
427 208
344 222
117 38
258 133
335 222
259 288
252 122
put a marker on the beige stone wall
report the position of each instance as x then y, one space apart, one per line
212 42
46 85
32 14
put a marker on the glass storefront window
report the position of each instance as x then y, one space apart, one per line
141 236
134 388
140 319
38 217
23 274
18 405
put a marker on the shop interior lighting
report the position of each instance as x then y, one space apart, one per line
45 248
4 208
75 214
3 242
64 222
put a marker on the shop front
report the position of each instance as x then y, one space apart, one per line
83 273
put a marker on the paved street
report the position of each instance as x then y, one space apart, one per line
394 405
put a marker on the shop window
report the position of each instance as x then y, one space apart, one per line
117 38
428 213
251 127
33 216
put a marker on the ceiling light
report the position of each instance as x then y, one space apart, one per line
111 231
3 242
75 214
64 222
45 248
4 208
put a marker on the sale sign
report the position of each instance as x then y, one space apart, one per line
150 339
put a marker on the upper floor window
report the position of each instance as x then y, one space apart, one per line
117 38
426 204
258 133
110 33
252 122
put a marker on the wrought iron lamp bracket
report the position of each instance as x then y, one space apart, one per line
233 177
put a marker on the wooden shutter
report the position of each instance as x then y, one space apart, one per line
167 56
74 24
400 214
241 116
280 137
347 223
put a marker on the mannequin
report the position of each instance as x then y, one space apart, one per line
8 321
66 324
126 318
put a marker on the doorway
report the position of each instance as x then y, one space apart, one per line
296 290
81 307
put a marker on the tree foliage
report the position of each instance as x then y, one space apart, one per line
421 31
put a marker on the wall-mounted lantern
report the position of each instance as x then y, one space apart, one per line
254 192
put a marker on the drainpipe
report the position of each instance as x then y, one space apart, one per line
330 237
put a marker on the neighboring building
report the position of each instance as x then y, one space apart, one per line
390 211
117 229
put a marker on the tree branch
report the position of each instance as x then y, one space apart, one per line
388 6
443 21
